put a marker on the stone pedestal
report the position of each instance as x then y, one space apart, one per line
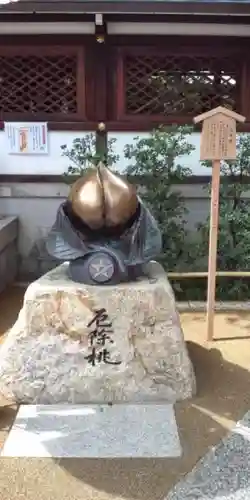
74 343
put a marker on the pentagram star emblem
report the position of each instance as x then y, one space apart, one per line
101 268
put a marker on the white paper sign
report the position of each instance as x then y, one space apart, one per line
27 138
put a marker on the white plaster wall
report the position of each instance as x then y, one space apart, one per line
55 163
52 164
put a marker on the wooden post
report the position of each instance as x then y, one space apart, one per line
101 142
213 237
218 142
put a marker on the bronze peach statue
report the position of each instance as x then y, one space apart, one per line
104 230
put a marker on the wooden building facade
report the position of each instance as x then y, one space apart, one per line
130 64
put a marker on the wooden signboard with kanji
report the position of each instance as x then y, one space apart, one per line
218 139
218 142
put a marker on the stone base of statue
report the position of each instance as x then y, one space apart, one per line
75 343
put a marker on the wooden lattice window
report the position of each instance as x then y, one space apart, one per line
42 83
168 87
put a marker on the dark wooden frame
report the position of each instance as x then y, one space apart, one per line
195 50
55 178
123 6
52 50
99 76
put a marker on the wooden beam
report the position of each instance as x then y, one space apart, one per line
123 6
204 274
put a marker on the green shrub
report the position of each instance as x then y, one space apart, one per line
156 162
83 156
233 252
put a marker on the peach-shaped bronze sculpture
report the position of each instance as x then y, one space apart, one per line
104 230
102 198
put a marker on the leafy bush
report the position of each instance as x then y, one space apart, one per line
83 155
234 224
155 163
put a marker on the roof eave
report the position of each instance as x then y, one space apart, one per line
127 7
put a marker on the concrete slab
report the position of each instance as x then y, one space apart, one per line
96 431
224 473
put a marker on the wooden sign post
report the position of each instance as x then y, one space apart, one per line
218 142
